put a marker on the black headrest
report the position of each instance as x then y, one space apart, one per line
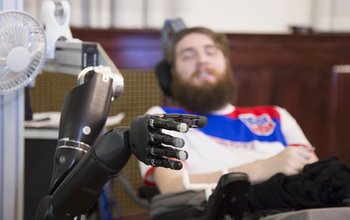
171 26
164 76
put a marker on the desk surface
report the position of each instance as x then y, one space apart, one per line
41 133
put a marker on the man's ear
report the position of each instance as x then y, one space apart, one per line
164 74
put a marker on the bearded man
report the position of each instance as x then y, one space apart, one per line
260 141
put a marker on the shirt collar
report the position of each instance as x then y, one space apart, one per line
225 110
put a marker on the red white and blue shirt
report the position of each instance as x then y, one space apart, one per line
234 136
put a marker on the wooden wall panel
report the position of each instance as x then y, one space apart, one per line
340 114
128 49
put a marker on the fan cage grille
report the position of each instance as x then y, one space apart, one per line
19 29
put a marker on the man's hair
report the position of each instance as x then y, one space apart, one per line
219 39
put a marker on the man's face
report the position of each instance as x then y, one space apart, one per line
202 79
195 56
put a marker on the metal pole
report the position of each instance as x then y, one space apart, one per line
12 145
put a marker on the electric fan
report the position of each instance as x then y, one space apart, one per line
22 50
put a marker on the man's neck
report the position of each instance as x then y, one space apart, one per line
227 109
224 110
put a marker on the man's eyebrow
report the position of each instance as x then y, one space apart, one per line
192 49
211 46
185 50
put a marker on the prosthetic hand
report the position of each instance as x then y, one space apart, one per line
147 131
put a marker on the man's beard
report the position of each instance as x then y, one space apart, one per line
207 97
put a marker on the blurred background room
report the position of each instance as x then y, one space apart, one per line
290 53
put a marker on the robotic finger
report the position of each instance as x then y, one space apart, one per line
166 163
166 139
192 121
157 122
169 152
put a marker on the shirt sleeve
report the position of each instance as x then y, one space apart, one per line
146 170
291 129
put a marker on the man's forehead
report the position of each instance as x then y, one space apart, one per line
193 40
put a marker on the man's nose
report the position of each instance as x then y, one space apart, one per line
202 60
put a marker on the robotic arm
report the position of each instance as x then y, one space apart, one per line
81 171
84 112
